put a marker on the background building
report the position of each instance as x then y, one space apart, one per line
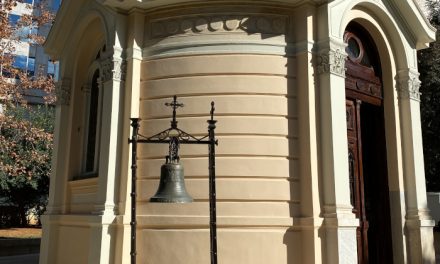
320 157
29 56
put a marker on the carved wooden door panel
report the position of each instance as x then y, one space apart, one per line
356 176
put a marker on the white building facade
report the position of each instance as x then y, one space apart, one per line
320 150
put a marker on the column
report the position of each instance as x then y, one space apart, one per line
418 222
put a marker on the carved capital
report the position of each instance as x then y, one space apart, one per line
408 85
244 23
113 69
63 91
332 61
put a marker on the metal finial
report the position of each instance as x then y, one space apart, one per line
212 110
174 104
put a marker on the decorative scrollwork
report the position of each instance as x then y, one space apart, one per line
174 136
113 69
169 134
352 179
173 156
332 61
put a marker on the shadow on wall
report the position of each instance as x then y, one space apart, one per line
434 205
293 246
434 208
437 245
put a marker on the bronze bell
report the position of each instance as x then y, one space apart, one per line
172 185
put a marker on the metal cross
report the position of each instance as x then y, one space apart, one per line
174 104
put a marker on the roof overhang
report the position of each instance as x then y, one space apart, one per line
418 25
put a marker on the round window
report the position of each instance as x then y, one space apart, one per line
354 48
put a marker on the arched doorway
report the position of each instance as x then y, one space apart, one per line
367 147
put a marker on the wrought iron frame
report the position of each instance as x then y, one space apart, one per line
174 140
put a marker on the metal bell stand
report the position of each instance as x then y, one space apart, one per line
174 137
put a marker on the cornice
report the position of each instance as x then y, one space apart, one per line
414 22
129 5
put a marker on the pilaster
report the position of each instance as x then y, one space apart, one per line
339 221
311 220
59 176
131 93
418 222
112 80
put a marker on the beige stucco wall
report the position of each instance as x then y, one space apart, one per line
276 74
251 80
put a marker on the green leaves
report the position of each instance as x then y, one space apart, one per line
26 143
429 68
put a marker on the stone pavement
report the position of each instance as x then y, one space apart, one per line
20 259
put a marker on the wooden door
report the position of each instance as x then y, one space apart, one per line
356 176
367 148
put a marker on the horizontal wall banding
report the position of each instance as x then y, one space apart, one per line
230 188
217 85
273 146
237 166
220 177
242 105
167 223
217 65
221 94
271 126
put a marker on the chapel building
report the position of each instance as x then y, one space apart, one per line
320 155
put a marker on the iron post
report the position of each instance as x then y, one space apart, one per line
133 141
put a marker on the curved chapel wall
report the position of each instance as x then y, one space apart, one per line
241 61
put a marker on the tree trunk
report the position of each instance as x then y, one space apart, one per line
22 213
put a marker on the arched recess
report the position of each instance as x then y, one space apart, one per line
379 23
90 49
92 22
79 51
390 45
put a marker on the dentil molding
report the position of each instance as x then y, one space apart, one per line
245 23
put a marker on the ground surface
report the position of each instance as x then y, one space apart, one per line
20 233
